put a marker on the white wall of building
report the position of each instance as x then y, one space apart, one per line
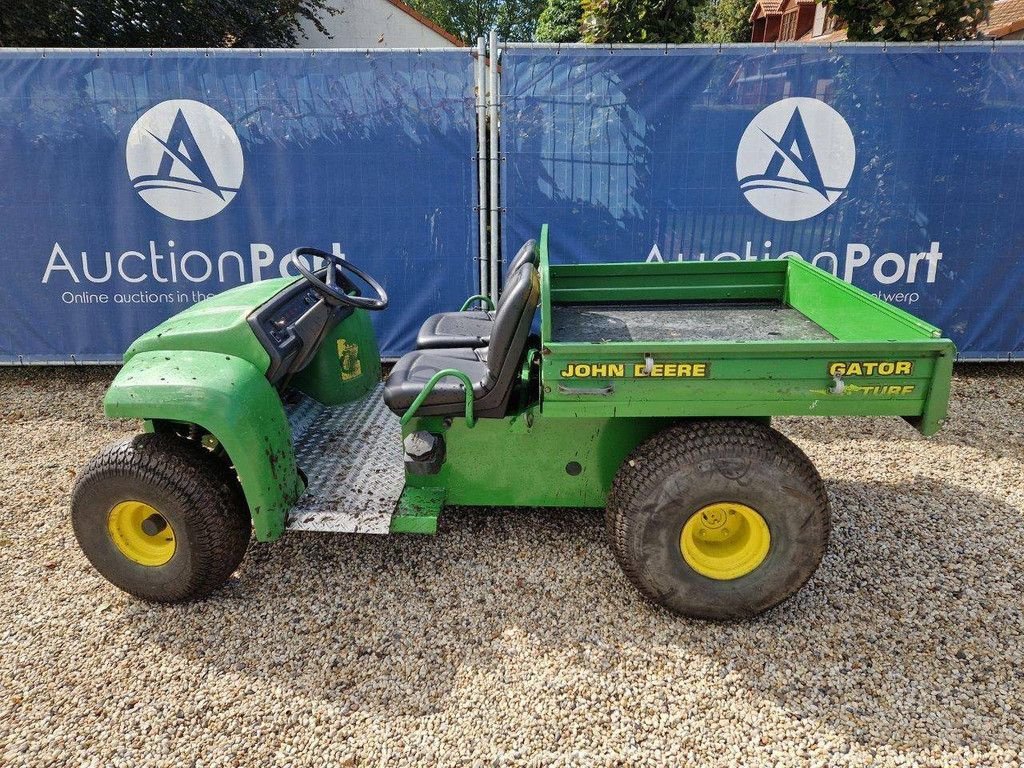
372 24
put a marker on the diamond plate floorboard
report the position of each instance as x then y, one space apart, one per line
352 455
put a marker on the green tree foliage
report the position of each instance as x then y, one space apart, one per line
723 21
638 21
517 19
468 19
158 23
910 21
559 22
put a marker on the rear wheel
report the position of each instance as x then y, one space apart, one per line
161 518
718 519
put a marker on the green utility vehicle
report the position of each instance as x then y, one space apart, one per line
648 391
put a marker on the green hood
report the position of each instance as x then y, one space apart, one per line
217 324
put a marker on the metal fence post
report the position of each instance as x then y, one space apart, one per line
481 162
494 97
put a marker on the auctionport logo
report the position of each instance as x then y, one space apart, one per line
795 159
184 159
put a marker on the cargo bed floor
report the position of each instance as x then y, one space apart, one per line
683 321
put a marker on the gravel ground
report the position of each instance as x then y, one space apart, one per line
512 638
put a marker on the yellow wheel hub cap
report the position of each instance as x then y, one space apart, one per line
141 533
725 540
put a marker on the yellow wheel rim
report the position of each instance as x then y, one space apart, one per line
725 540
141 533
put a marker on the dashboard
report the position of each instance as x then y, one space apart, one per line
291 325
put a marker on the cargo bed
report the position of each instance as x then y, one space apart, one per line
757 338
683 321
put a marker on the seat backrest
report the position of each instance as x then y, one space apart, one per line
526 255
511 327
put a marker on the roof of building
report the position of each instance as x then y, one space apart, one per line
769 6
454 40
773 7
835 36
1004 18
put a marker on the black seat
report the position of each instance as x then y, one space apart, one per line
492 370
471 328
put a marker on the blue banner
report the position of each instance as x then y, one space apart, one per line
136 183
898 168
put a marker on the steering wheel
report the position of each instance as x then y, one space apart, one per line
333 289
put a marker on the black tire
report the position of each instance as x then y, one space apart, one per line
196 493
690 465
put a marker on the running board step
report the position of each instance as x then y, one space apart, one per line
418 509
339 520
416 512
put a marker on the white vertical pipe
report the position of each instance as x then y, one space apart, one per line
481 161
494 96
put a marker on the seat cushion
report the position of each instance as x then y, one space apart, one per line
455 329
413 370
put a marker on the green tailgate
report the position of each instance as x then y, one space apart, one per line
863 357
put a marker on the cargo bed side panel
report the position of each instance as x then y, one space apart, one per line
744 380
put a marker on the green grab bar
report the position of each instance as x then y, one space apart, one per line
477 297
470 419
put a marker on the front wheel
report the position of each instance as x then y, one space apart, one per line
718 519
160 518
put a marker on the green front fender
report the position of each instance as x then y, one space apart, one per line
232 400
